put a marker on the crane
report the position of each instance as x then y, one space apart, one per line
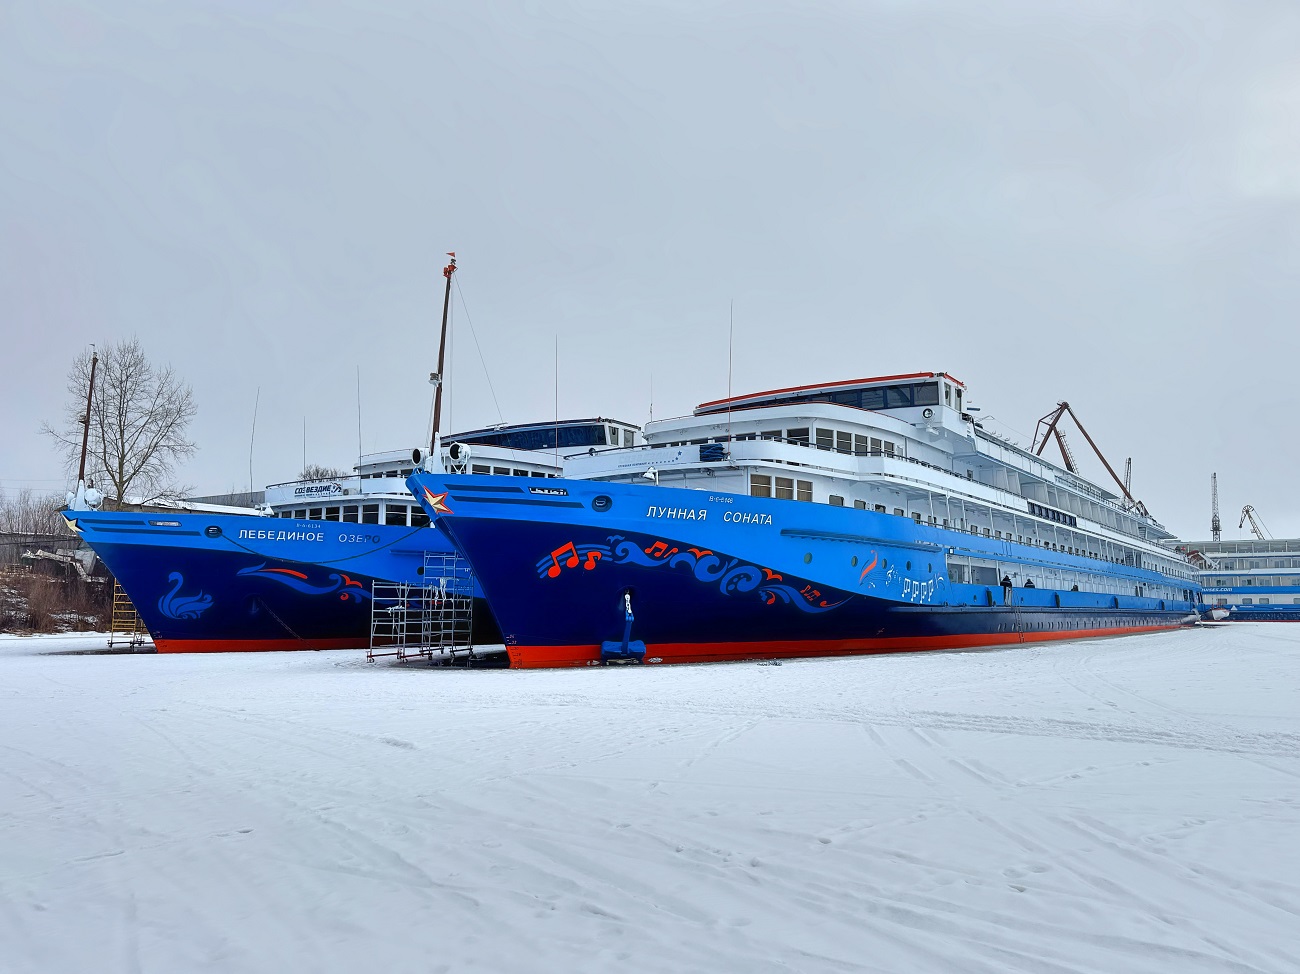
1256 525
1052 421
1215 526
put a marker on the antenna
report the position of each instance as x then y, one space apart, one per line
304 443
359 447
252 433
557 401
652 397
1215 526
731 335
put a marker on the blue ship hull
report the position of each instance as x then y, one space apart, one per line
212 583
722 577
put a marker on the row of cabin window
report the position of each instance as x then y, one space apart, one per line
854 444
1249 601
1266 581
786 488
1046 512
483 468
1248 564
393 514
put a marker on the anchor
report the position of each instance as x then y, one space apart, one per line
628 650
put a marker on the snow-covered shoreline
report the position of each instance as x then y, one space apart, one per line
1111 805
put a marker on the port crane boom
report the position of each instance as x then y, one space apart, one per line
1256 525
1052 422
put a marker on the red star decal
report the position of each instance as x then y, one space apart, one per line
437 502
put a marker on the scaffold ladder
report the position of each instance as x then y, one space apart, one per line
125 627
431 619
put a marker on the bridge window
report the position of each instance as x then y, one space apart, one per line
314 513
843 442
395 513
331 513
418 518
825 439
760 485
799 435
369 513
889 448
859 445
785 488
300 513
351 512
804 490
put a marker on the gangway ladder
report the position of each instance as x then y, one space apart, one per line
125 627
432 619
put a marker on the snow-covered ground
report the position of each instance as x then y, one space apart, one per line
1113 806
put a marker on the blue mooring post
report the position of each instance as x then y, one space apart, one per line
628 650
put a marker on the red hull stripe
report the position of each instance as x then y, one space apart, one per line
539 656
255 645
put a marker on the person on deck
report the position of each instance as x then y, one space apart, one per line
1006 589
1029 583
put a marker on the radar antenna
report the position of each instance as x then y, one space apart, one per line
1256 525
1215 526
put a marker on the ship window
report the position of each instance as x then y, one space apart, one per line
285 514
613 436
1247 601
538 473
760 485
395 513
844 443
825 439
501 471
520 473
300 513
1250 581
369 513
331 513
799 436
1225 601
480 468
418 518
836 500
859 445
1263 601
351 512
860 505
875 445
880 508
889 448
785 488
899 396
947 394
314 513
899 512
770 434
916 516
805 490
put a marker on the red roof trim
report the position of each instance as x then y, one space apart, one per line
832 385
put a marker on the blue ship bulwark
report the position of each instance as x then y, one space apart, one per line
723 576
224 582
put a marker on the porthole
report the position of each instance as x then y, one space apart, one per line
212 531
807 557
930 567
854 561
909 566
601 503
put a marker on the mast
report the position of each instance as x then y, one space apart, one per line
436 378
85 422
1215 524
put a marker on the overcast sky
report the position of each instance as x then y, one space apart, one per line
1092 201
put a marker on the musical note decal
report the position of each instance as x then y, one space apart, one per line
570 561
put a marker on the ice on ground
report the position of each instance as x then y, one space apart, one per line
1100 806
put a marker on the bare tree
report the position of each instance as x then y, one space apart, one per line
138 421
30 513
314 471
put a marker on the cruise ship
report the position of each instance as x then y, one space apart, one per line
303 574
863 516
1250 580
